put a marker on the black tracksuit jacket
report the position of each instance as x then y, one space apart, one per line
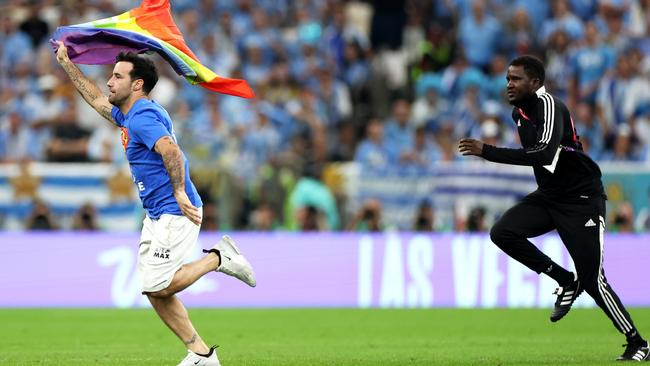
551 146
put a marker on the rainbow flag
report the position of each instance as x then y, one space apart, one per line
149 27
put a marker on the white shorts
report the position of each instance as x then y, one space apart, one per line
165 245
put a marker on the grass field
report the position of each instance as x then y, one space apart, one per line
315 337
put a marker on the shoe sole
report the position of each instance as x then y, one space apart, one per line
645 359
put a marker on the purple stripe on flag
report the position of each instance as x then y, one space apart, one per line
96 46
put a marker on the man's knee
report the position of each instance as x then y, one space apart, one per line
500 234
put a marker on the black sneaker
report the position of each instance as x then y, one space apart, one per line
565 298
635 351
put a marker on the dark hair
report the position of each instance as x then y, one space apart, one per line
143 68
533 67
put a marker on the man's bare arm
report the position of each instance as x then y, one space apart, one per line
86 87
172 157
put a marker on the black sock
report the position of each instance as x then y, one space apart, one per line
215 251
207 354
634 337
561 275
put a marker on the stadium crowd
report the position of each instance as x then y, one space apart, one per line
388 84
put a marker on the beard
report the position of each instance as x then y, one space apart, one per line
117 100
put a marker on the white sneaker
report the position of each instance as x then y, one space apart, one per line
233 262
192 359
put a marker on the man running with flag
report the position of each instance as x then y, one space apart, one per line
161 174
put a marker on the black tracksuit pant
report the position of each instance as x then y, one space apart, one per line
580 224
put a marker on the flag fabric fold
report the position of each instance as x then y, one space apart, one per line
149 27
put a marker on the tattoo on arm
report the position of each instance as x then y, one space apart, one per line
105 112
88 90
192 340
173 160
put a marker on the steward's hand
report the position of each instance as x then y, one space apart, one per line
470 147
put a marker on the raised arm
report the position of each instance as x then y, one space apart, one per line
175 165
86 87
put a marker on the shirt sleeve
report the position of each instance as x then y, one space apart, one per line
148 128
118 117
546 148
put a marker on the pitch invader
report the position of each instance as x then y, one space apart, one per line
174 209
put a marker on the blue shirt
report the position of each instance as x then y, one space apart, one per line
590 64
480 40
145 124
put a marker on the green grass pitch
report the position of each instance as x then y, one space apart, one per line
270 337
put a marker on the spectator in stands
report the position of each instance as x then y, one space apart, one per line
616 36
371 152
622 219
590 62
260 142
311 197
85 218
342 146
33 25
476 220
255 69
399 132
304 67
388 21
480 35
467 109
625 147
16 45
335 95
47 110
446 140
562 18
559 70
491 132
355 69
264 218
69 142
223 58
642 221
636 106
613 93
440 46
429 104
40 217
311 122
495 82
538 11
520 35
423 154
424 217
591 130
310 218
584 9
368 218
15 138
